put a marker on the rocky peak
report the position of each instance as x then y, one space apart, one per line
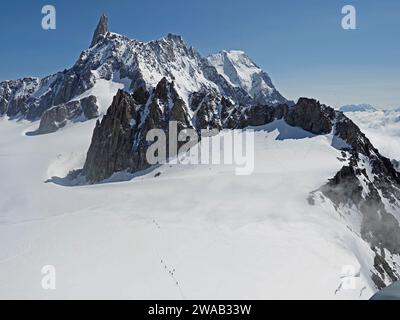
141 95
312 116
119 140
164 89
174 38
101 30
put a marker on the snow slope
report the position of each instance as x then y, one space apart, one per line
104 91
193 232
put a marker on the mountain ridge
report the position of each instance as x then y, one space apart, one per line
368 181
116 58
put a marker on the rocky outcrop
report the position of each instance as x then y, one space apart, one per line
112 141
3 106
311 116
29 98
101 30
119 140
260 115
205 110
89 107
15 96
352 187
58 116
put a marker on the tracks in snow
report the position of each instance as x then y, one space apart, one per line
169 269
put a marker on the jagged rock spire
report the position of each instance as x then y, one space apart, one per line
101 30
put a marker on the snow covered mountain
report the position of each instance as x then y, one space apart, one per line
113 62
238 69
322 196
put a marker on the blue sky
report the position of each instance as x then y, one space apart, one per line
299 43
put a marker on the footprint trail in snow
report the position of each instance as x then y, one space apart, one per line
169 269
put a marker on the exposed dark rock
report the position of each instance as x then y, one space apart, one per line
311 116
111 147
383 270
3 106
132 116
89 107
380 228
345 186
141 95
119 140
15 96
260 115
58 116
349 132
101 30
205 108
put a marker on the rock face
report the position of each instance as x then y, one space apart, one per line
89 107
29 98
310 115
3 106
207 110
15 95
119 140
101 30
111 145
58 116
